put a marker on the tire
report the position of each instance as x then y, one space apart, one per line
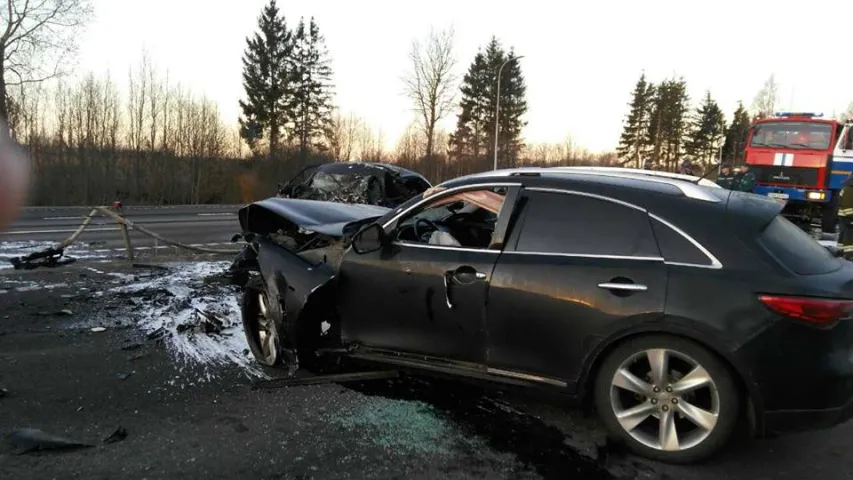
721 397
829 218
267 350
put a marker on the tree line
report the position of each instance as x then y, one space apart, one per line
159 143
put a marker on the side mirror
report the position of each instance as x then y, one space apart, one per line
370 239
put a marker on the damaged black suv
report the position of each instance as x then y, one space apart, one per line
678 310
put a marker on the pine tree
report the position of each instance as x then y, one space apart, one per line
267 81
467 142
632 142
707 129
667 126
654 135
475 129
736 136
311 102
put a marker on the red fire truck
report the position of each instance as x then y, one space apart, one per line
803 160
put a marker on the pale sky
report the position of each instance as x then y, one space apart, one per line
581 62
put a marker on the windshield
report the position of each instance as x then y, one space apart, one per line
795 135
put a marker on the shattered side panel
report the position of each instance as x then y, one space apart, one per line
298 283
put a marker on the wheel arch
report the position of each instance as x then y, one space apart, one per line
753 403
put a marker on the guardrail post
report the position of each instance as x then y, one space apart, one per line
125 234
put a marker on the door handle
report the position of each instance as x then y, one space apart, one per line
628 287
480 275
447 289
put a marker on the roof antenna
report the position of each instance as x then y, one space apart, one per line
707 172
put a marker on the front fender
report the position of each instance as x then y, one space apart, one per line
292 280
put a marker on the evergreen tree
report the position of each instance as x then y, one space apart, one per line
736 136
469 139
311 101
707 129
667 125
475 129
632 142
266 80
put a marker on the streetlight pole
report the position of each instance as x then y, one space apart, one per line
498 105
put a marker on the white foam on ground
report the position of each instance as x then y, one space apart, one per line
185 282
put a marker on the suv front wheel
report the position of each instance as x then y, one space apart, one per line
667 398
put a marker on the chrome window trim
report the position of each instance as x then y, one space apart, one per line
715 263
403 243
586 194
449 191
588 255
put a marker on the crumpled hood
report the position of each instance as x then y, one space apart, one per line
327 218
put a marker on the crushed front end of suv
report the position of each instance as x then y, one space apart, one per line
678 310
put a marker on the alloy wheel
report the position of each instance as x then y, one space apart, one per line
267 333
665 400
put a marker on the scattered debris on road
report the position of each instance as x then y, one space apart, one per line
98 329
187 309
28 440
118 435
50 257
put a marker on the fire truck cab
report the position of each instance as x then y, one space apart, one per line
802 160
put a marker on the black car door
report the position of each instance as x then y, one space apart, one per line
576 266
420 297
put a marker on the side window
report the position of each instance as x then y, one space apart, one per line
465 219
677 249
581 225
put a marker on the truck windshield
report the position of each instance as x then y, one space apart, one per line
795 135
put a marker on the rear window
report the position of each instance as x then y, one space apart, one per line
795 249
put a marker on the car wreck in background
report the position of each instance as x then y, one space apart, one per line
355 182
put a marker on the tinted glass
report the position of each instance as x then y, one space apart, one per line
574 224
795 249
675 248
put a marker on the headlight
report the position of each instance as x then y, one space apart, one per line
815 195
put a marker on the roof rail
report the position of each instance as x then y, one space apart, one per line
687 188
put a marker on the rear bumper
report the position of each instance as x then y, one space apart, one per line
792 421
803 375
794 194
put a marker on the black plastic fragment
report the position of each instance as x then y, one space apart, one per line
118 435
28 440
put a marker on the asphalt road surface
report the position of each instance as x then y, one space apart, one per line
191 224
184 419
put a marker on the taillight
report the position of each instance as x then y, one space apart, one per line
817 311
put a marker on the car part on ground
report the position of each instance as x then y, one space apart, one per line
50 257
355 182
560 278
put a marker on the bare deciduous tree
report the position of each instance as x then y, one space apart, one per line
37 41
431 85
766 99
